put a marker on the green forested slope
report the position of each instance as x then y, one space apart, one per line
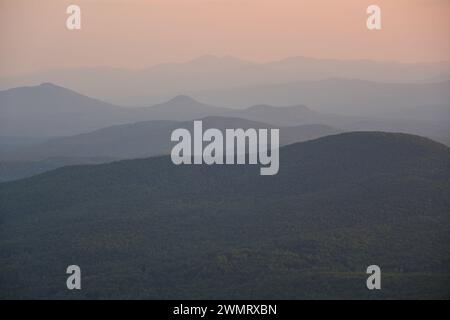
150 229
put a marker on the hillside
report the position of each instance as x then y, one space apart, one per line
338 95
14 170
49 110
149 229
149 138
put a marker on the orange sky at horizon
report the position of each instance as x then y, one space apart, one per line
142 33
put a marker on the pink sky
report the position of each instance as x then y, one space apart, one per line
141 33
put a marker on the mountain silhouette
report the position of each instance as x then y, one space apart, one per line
336 95
128 141
49 110
158 83
150 138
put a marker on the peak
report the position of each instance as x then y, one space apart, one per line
261 107
209 58
182 99
45 87
299 107
48 85
296 59
206 57
266 107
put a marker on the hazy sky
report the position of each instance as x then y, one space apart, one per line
141 33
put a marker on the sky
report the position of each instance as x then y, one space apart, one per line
141 33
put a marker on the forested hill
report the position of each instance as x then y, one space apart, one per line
150 229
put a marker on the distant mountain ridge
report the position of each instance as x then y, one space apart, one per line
150 138
136 140
210 73
337 95
50 110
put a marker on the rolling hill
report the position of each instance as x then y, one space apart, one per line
150 138
48 110
136 140
338 96
149 229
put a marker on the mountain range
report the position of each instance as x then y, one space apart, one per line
148 229
128 141
211 73
48 111
86 179
150 138
342 96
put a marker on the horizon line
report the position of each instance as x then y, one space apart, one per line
220 57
